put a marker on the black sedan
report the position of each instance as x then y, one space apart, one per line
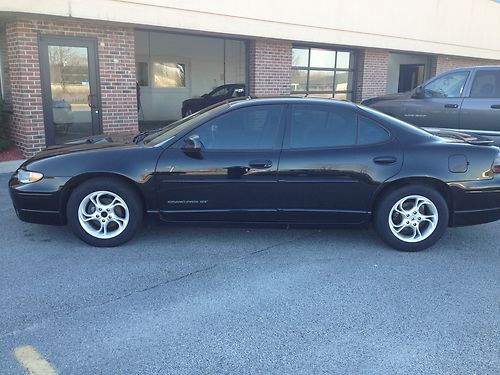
219 94
280 160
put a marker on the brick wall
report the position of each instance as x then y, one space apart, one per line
444 62
371 69
269 67
116 71
4 69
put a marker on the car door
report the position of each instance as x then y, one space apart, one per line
439 103
233 176
332 162
481 108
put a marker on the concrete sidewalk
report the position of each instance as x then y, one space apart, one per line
10 166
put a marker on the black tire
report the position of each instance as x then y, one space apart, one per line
385 206
120 189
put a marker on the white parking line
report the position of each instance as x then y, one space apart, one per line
33 361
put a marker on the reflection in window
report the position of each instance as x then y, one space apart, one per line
320 80
299 80
317 127
322 72
321 58
300 57
169 75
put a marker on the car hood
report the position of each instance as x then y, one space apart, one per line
397 96
86 144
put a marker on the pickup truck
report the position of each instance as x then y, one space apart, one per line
466 100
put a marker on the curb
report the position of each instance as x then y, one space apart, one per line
10 166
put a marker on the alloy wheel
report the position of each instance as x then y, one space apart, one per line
413 218
103 214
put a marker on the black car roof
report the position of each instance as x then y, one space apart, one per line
290 100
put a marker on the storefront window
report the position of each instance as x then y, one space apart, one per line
322 72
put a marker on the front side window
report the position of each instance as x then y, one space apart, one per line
450 85
321 127
322 72
486 84
251 128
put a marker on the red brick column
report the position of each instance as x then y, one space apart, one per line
270 63
372 65
26 95
116 62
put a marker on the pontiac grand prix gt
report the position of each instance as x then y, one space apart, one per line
276 160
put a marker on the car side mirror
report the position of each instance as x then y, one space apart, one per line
418 93
192 144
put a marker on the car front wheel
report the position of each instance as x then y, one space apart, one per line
104 212
411 218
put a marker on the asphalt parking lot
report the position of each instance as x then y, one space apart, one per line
233 300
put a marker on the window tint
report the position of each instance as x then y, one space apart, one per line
251 128
319 127
370 132
448 86
486 84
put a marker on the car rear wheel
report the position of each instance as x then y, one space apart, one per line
104 212
411 218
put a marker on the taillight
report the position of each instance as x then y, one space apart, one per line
496 164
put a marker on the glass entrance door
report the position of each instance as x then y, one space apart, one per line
69 89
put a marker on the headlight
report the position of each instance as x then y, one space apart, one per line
27 177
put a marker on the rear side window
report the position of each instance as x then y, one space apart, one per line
316 126
370 132
486 84
313 126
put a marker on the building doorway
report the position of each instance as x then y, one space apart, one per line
410 76
70 88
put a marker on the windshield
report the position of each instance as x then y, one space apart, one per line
171 130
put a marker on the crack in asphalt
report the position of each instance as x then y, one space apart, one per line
35 324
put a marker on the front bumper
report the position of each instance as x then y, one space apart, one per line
39 202
476 202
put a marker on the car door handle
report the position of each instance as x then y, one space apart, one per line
495 106
385 159
451 106
260 164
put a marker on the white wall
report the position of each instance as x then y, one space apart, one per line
452 27
395 60
204 60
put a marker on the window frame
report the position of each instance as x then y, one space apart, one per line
286 139
309 68
279 137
